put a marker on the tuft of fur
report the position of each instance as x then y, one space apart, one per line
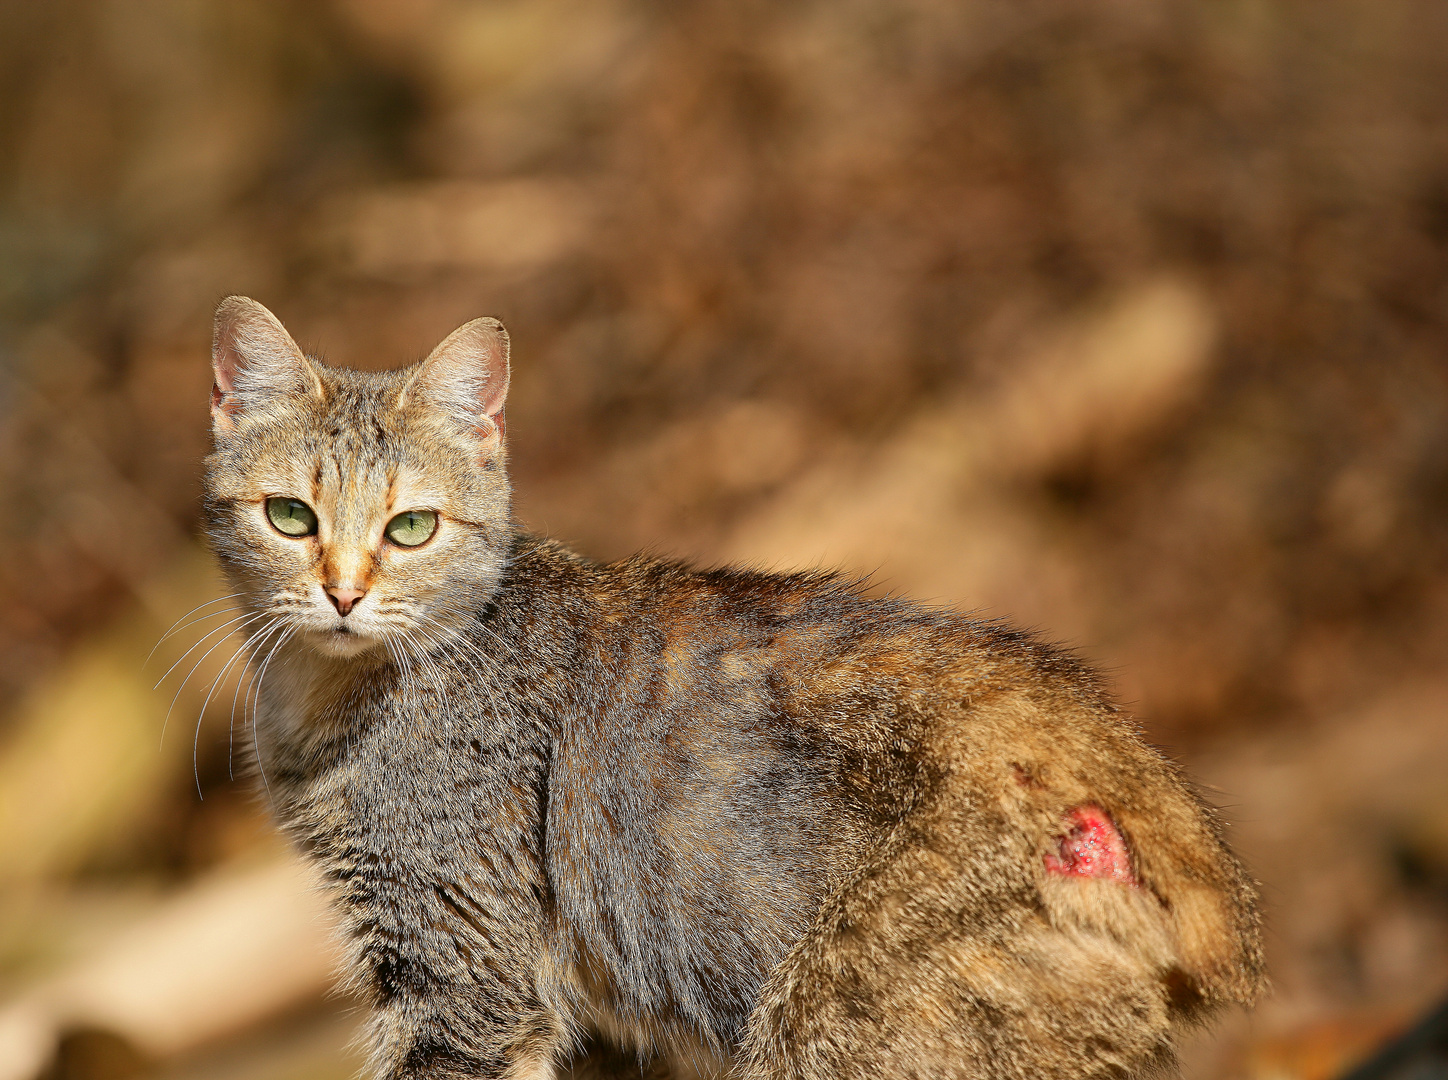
711 822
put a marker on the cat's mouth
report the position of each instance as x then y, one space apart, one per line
343 639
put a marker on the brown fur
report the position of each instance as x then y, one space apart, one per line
711 821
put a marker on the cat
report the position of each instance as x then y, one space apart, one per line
706 822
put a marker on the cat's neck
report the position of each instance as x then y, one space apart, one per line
304 693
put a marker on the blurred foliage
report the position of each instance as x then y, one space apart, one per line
847 208
1128 320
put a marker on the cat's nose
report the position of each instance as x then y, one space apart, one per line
344 600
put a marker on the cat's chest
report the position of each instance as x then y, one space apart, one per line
303 703
403 771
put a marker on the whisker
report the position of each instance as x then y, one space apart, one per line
404 672
441 637
420 657
188 652
175 629
216 682
490 661
429 661
193 622
253 691
432 629
256 705
199 662
231 717
506 647
406 659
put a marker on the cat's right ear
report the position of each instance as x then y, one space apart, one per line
254 361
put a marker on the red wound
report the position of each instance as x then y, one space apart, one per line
1091 847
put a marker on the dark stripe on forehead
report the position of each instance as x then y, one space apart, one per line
330 466
356 459
358 421
353 447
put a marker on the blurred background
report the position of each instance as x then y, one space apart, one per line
1125 321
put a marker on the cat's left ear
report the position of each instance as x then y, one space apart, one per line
467 377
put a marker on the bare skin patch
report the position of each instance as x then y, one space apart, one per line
1092 846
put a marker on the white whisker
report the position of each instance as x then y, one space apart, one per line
216 682
441 636
404 669
256 707
176 629
243 621
421 657
254 646
231 722
199 642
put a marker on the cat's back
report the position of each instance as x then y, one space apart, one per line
805 618
674 648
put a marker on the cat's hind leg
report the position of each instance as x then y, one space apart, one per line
1058 905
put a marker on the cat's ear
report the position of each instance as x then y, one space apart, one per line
254 360
467 377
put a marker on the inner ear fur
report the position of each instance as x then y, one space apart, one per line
467 377
253 359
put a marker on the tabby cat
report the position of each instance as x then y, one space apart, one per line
639 817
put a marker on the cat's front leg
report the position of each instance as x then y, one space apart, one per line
438 1040
452 1032
456 987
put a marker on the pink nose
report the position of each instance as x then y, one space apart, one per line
344 600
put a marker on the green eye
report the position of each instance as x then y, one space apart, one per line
291 516
411 527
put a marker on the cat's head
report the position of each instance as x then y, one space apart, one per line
357 509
